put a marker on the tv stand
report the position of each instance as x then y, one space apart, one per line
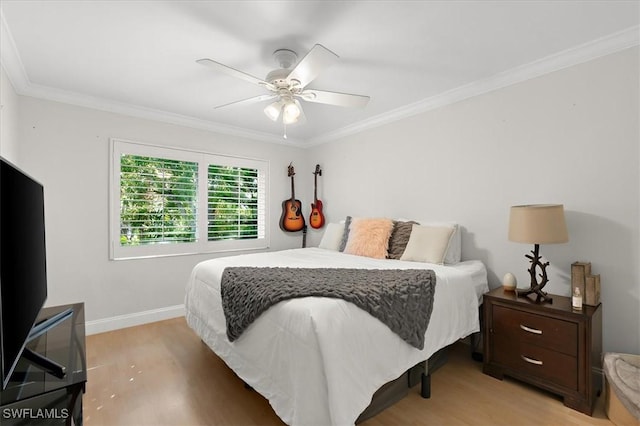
47 384
47 364
41 327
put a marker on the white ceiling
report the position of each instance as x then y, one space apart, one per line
138 57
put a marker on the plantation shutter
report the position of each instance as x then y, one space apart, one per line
158 200
169 201
235 206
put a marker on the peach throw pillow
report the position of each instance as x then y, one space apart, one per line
369 237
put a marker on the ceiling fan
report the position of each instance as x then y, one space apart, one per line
286 84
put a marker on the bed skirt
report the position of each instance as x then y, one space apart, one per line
397 389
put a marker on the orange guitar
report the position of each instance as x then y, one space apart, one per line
292 219
316 218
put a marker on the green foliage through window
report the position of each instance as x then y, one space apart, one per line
232 203
158 199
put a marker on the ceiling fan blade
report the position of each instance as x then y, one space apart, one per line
335 98
313 63
248 101
217 66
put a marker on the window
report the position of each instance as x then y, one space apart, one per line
167 201
232 203
158 200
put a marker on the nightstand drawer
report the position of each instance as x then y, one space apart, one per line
538 361
554 334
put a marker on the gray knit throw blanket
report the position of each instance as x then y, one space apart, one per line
400 298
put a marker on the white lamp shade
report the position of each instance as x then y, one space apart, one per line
290 112
273 110
538 224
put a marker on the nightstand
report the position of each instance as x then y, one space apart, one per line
547 345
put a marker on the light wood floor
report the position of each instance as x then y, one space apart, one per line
162 374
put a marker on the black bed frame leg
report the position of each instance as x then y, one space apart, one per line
425 390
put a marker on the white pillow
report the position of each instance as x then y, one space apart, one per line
332 237
428 244
454 252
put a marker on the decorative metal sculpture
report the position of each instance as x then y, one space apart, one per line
536 287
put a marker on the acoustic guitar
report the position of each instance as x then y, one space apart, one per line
316 218
292 219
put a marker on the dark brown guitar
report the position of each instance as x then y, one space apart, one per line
292 219
316 218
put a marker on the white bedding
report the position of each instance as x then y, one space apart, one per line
319 360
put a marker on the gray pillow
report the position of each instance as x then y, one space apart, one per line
345 234
399 238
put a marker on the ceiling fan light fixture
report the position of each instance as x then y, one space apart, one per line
289 82
290 112
273 110
289 119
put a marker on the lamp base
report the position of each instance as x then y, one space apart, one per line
536 287
541 295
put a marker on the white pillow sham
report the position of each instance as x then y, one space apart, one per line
428 244
454 251
332 236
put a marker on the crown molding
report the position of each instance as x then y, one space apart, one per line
122 108
11 62
583 53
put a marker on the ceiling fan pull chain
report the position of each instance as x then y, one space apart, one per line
285 129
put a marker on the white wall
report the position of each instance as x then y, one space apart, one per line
8 119
568 137
66 148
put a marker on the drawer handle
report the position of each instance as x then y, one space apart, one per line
530 330
531 360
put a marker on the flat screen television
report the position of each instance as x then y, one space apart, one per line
23 270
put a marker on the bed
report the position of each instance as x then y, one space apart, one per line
318 360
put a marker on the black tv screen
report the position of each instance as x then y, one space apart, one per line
23 275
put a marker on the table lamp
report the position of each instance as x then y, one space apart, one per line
537 224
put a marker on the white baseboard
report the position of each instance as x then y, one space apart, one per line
129 320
